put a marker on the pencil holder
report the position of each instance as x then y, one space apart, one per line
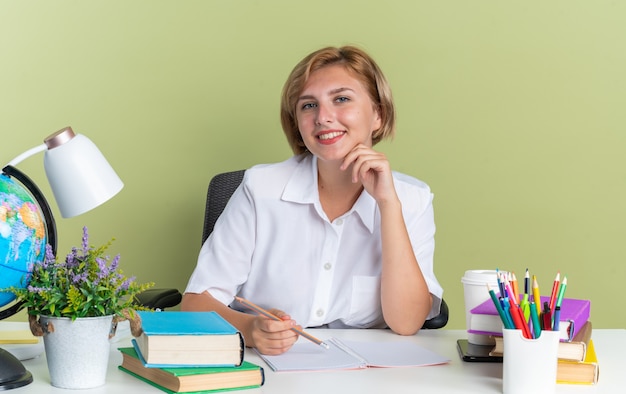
529 365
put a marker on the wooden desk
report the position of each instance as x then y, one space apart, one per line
455 377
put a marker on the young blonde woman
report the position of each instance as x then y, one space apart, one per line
331 237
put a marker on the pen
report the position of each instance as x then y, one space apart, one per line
557 317
265 313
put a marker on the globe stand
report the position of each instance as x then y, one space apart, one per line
12 372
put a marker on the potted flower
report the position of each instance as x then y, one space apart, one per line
76 304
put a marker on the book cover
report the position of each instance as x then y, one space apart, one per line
171 339
581 372
185 323
192 380
485 320
17 337
575 350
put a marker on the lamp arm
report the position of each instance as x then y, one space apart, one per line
51 229
27 154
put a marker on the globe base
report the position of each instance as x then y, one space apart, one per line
12 372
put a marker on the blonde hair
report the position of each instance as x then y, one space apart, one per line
361 66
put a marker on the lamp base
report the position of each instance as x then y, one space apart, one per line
12 372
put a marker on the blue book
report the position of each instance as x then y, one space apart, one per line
185 339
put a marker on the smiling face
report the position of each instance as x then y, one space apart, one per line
335 113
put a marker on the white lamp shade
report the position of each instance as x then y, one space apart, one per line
79 175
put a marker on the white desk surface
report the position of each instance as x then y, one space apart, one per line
456 377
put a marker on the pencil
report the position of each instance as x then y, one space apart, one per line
515 287
527 283
555 288
265 313
536 294
559 298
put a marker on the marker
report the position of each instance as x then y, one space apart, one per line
534 316
265 313
518 319
546 317
505 320
525 307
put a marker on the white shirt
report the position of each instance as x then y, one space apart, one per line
275 246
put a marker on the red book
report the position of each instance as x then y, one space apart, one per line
485 320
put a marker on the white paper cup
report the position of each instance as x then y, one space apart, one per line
475 293
529 365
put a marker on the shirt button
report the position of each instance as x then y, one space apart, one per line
339 222
328 266
320 313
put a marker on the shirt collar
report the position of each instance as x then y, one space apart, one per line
302 188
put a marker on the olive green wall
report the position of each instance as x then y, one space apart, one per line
513 112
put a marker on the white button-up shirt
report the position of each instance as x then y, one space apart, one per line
275 246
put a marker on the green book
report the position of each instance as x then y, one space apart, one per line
193 379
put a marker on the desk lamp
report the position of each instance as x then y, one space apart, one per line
81 179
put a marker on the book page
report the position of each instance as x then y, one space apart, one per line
344 354
308 356
395 354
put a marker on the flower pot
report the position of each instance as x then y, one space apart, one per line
77 351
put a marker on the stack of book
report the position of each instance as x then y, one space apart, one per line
180 352
577 363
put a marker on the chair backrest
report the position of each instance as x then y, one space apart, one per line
223 185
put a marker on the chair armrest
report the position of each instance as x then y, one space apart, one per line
159 298
440 320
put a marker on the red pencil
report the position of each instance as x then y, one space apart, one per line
555 289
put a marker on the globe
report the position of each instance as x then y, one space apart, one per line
26 226
22 235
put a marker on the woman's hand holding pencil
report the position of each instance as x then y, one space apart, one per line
273 316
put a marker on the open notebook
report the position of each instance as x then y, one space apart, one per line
345 354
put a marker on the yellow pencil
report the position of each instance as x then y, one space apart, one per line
265 313
536 294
